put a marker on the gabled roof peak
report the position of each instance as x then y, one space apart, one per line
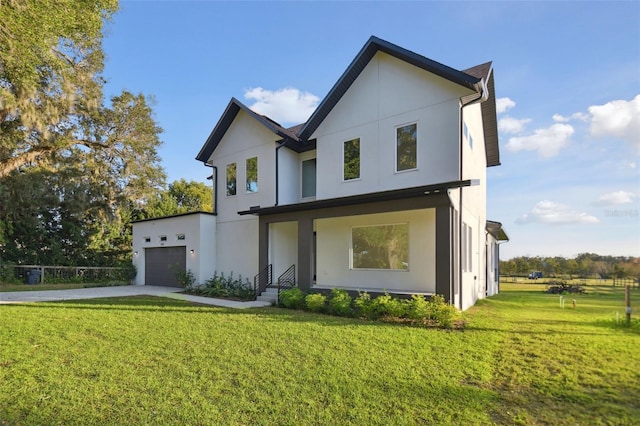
368 51
297 137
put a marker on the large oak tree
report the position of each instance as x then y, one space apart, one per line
73 167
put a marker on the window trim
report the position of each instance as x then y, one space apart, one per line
246 175
351 252
226 171
412 123
315 189
344 143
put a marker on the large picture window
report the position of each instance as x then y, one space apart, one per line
231 179
352 159
252 174
407 147
380 247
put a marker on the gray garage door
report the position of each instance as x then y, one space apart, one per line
161 263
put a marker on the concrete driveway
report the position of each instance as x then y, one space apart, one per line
120 291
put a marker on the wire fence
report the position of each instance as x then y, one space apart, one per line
615 282
42 274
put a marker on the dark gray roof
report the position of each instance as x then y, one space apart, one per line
489 115
496 229
227 118
351 200
365 55
297 137
174 215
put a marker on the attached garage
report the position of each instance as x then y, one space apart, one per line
185 241
162 264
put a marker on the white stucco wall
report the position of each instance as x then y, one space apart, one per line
493 265
245 138
283 246
198 230
237 247
390 93
334 247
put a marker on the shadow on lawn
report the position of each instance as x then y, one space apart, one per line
167 305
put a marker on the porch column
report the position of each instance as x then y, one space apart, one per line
305 253
263 244
443 252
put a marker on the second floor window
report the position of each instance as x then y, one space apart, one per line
407 147
252 174
352 159
309 178
231 179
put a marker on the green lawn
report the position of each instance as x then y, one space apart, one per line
520 360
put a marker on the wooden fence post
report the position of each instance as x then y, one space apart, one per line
627 300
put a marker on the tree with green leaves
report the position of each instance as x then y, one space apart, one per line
50 85
73 168
180 197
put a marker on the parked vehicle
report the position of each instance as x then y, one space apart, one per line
535 275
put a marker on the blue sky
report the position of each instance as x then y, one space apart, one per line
567 78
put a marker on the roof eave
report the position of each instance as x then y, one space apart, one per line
225 121
361 60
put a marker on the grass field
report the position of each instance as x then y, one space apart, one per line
520 360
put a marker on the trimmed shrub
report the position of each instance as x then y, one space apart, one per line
292 298
418 308
442 313
387 306
340 303
315 302
364 305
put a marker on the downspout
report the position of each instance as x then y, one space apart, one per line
280 145
215 187
483 95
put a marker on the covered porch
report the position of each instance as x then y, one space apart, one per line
317 238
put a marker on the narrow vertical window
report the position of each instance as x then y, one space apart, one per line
309 178
464 247
252 174
407 147
352 159
231 179
470 248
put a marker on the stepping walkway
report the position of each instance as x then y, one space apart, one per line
121 291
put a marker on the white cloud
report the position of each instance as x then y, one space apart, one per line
615 198
619 118
548 142
548 212
503 104
512 125
288 105
575 116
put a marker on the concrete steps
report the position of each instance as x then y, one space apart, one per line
270 294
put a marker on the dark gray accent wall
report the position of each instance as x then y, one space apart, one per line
305 253
444 260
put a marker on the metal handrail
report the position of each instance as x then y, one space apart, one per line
287 280
262 280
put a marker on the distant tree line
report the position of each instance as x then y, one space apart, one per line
585 265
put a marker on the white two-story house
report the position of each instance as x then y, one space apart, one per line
382 189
